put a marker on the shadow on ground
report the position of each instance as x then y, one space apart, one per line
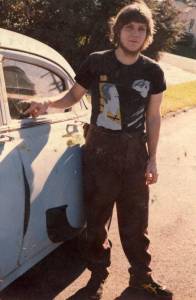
49 277
129 294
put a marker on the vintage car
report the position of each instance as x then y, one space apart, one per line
41 202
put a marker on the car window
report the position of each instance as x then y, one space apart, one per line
24 80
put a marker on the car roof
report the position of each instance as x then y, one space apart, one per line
16 41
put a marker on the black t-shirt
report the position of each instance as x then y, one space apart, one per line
120 93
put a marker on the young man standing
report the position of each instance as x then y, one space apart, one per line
126 89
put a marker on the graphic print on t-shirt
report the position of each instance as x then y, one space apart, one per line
142 86
137 118
109 116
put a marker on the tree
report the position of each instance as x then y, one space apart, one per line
189 2
169 29
77 27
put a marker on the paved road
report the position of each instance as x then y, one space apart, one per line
172 229
178 69
185 63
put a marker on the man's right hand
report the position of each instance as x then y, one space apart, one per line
36 109
63 100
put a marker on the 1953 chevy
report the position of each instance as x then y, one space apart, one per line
41 201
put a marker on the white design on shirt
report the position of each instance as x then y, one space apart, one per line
142 86
139 125
135 121
138 112
110 115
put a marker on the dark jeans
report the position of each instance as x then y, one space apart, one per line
114 172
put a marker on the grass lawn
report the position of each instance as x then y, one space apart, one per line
178 97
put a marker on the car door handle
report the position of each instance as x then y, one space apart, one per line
5 138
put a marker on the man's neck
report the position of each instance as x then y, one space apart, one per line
125 57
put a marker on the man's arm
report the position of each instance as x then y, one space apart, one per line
67 99
153 122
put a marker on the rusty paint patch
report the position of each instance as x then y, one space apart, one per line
70 143
66 135
75 140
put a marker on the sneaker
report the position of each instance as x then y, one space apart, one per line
94 288
150 287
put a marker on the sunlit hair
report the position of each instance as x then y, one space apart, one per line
137 11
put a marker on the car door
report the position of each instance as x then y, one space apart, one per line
47 158
11 196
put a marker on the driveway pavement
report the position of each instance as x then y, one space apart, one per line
178 69
185 63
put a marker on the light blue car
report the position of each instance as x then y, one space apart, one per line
41 201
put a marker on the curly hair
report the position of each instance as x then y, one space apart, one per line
137 11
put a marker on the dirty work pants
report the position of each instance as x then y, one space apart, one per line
114 172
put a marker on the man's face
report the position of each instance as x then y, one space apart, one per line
132 37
